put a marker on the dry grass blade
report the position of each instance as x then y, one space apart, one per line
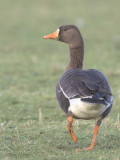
40 116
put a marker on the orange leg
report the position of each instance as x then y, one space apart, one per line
93 141
70 128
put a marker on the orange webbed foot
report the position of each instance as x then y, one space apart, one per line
93 141
70 128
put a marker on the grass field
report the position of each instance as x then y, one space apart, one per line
30 67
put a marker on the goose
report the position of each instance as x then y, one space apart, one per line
81 93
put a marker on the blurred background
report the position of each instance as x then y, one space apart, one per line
30 67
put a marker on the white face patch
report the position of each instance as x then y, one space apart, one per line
58 30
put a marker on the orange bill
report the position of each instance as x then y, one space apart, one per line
54 35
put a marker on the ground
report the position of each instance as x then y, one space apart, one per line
32 126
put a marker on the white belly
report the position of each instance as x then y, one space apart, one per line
84 110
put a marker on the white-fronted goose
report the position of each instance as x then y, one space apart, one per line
81 94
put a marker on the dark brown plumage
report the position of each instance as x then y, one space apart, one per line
82 94
79 83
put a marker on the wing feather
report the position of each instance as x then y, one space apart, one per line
84 83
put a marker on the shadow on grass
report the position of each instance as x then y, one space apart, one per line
110 142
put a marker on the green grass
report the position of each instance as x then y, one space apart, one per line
31 66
